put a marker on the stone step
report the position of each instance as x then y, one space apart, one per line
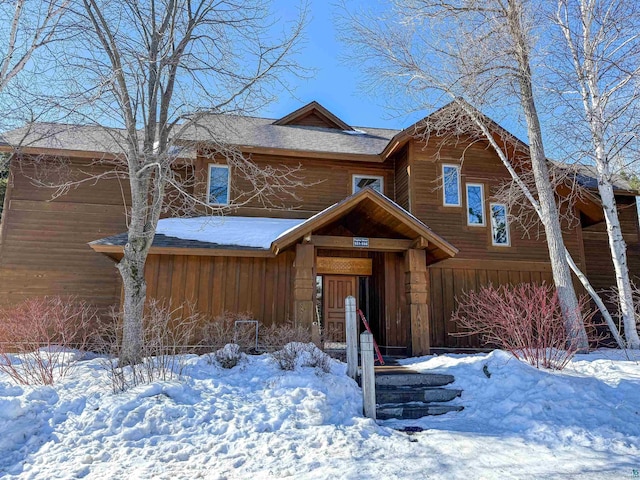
412 379
413 411
387 394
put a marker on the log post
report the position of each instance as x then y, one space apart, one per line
417 293
304 286
368 377
351 325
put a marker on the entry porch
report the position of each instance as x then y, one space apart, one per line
368 247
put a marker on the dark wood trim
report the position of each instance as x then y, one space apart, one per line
344 266
420 243
319 110
376 244
342 208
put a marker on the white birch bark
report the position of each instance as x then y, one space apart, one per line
567 298
472 114
587 64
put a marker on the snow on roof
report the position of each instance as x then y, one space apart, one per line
256 232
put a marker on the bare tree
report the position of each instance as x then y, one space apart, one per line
27 26
601 70
480 51
4 174
161 70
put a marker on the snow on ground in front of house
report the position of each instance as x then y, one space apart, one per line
257 232
257 422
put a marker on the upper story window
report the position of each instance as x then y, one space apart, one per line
218 186
364 181
475 204
451 185
499 225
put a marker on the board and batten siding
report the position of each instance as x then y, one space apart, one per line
259 286
448 281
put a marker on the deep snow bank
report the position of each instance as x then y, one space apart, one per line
255 421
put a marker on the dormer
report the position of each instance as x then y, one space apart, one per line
313 115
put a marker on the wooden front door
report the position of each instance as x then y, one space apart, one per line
336 289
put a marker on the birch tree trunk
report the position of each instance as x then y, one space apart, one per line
594 63
595 112
472 114
567 298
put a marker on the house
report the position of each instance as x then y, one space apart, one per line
403 224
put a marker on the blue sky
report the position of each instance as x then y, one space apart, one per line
333 84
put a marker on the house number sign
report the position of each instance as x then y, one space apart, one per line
360 242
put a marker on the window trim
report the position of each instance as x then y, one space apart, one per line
444 196
209 168
484 213
362 175
506 219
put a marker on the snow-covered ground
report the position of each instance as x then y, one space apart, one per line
258 422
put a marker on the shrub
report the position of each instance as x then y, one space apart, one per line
223 330
37 336
296 354
276 337
524 320
613 298
229 356
168 333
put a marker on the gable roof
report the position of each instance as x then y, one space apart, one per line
265 135
375 208
257 236
251 132
313 109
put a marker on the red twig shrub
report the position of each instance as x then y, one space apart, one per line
37 336
525 320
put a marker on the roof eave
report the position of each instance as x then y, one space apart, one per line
335 211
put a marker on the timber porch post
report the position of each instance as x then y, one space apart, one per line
304 285
417 292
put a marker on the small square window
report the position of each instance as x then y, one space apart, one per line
218 190
475 204
499 225
451 185
364 181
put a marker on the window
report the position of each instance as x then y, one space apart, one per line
475 204
499 225
451 185
218 190
364 181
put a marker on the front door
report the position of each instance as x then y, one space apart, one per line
336 289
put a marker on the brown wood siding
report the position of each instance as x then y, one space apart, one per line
44 248
313 120
596 246
480 165
402 179
326 182
448 281
259 286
